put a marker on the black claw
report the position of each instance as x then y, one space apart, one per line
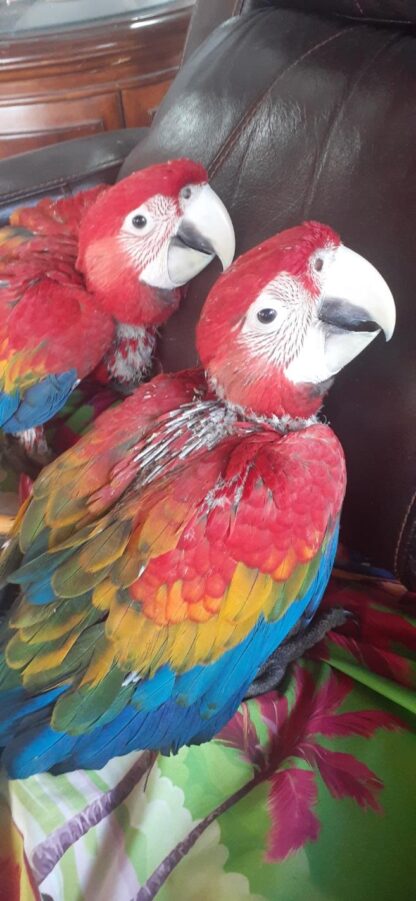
273 671
350 618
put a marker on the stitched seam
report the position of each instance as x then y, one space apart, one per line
402 530
350 93
374 20
238 129
55 182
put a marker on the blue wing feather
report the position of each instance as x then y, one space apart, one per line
165 711
34 407
8 405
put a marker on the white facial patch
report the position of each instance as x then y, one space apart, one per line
145 235
275 323
156 273
320 266
324 354
188 194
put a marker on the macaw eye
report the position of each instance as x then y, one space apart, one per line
139 221
318 264
186 192
267 315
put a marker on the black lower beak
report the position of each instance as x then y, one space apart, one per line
189 236
345 315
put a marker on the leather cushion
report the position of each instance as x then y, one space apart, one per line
299 116
208 15
388 11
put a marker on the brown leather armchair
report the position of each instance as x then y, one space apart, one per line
300 109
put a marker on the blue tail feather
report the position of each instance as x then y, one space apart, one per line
164 712
16 705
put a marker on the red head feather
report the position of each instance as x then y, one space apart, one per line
111 273
240 373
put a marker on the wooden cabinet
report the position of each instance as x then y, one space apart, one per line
25 126
140 105
78 82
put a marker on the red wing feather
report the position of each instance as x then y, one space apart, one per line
48 323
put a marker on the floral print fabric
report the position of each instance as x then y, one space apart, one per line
306 794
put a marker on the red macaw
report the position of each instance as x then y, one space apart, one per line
163 558
92 276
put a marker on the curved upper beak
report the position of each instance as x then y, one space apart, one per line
205 231
356 298
355 305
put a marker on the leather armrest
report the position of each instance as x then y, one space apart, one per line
64 168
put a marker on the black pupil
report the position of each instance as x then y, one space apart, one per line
139 221
266 315
319 264
186 193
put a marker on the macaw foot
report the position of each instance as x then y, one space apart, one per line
273 671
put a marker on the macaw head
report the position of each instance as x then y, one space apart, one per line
287 316
150 234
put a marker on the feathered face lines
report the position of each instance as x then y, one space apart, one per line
271 334
276 323
169 239
287 317
147 229
150 234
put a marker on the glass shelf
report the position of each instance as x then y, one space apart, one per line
20 17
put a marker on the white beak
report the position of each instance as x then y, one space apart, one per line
205 231
355 305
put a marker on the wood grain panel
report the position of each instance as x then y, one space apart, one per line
141 103
27 126
77 82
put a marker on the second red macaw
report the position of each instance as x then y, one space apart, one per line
92 276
